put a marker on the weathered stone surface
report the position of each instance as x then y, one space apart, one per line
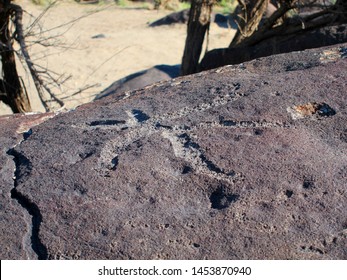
320 37
243 162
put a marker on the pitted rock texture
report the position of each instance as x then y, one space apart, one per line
208 166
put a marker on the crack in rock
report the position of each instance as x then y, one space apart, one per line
31 241
36 218
32 245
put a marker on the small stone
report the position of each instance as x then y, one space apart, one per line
99 36
311 109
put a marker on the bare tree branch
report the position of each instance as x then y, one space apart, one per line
253 13
41 87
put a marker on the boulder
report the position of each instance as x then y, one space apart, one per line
141 79
183 16
241 162
320 37
173 18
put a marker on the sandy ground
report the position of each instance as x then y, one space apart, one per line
106 44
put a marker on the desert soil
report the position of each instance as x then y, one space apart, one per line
107 43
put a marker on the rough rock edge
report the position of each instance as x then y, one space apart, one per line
32 245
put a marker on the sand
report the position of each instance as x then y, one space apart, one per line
107 43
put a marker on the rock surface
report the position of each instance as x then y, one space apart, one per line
242 162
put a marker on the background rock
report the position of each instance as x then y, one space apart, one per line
141 79
320 37
173 18
209 166
183 16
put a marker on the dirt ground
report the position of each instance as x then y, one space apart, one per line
107 43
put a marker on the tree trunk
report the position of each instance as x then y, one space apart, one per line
198 24
252 13
16 97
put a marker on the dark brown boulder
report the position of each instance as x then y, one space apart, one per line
320 37
242 162
173 18
183 16
141 79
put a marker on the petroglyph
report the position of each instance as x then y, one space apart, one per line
184 147
180 136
